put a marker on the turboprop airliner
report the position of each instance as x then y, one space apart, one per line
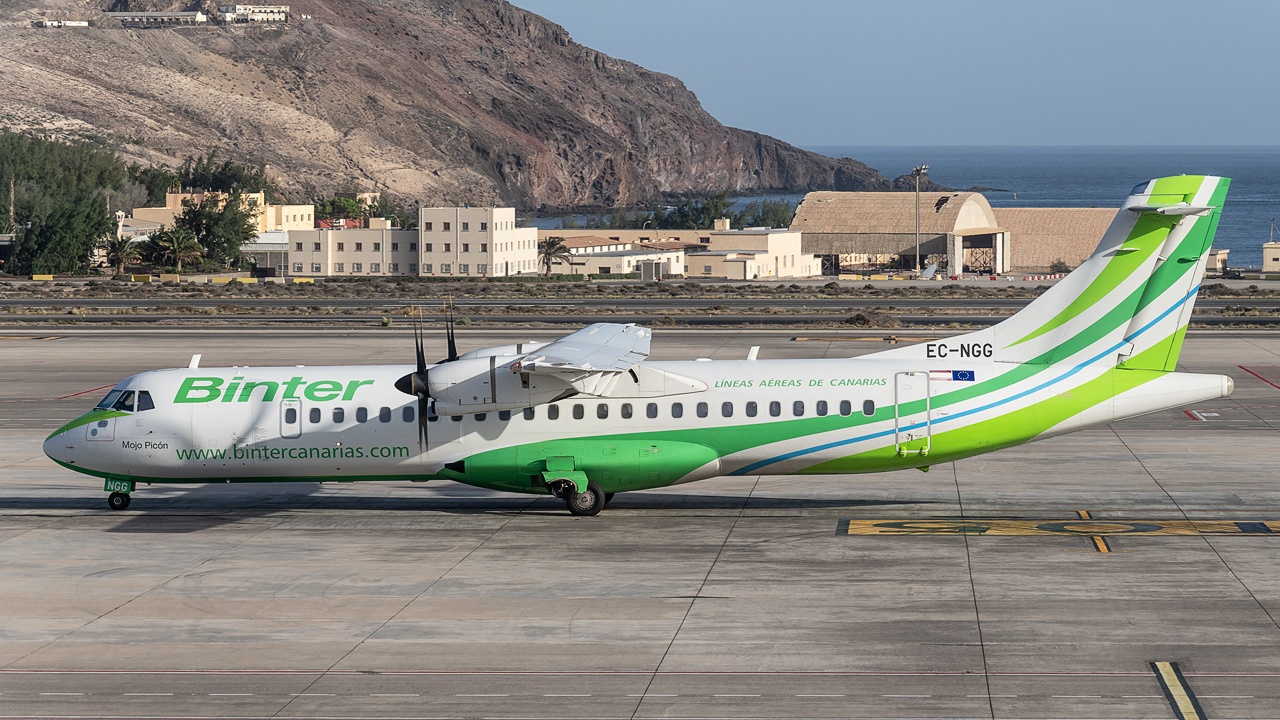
587 416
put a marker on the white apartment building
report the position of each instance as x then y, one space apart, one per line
253 13
475 242
358 252
449 242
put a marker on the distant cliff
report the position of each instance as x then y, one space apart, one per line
447 101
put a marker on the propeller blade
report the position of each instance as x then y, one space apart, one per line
453 346
417 339
423 406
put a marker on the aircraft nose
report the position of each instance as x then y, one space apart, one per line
56 447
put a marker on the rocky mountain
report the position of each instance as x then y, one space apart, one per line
447 101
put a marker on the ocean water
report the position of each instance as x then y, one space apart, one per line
1099 177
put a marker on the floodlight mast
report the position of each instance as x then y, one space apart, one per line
917 171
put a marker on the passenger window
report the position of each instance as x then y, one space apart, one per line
775 408
578 412
651 410
797 408
846 408
456 418
125 402
528 413
480 417
407 413
820 408
702 409
553 412
362 415
144 401
751 408
726 409
338 415
384 414
315 415
291 416
677 410
869 407
626 411
504 415
602 411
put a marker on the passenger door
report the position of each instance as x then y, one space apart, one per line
912 412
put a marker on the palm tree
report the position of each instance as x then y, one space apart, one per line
184 247
551 251
120 251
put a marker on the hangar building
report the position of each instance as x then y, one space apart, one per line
957 229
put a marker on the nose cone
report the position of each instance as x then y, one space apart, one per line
55 447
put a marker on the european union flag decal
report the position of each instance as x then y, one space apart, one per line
966 375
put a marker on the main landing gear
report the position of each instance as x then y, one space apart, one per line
590 502
118 500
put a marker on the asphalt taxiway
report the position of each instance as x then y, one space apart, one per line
1129 571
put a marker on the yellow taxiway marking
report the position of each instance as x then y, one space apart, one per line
1060 528
1099 543
1177 691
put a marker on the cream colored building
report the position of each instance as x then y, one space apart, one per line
267 218
620 262
753 254
1271 257
358 252
633 237
449 242
475 242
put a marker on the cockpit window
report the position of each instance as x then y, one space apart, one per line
109 400
144 401
125 402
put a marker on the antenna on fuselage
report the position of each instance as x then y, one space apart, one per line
195 361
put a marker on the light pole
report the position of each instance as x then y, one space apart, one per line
917 171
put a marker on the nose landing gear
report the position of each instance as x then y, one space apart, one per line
118 501
119 497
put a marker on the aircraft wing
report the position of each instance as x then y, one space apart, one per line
598 348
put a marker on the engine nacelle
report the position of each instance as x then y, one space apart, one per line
484 384
501 350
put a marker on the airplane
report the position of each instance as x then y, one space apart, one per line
588 416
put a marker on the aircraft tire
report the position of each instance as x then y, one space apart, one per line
118 501
587 503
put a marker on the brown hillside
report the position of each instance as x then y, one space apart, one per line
448 101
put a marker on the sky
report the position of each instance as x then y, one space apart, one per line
977 72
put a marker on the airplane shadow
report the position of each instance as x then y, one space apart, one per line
204 507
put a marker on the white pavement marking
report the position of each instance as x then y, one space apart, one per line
734 695
1076 696
654 695
481 695
395 694
907 696
991 696
564 695
230 694
61 693
829 696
